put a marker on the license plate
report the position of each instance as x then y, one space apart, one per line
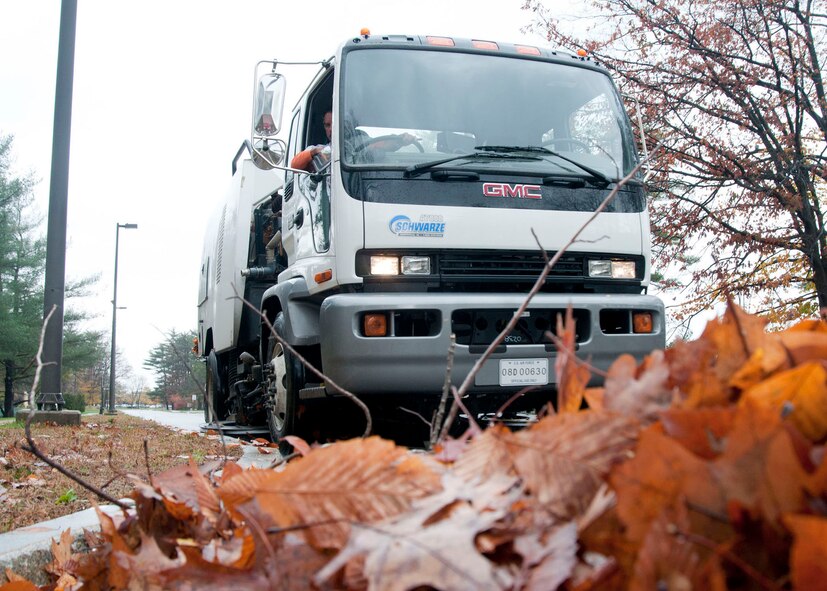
523 372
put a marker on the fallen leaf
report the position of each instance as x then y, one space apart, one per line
800 393
808 558
638 392
407 554
19 586
549 559
670 561
759 467
61 554
356 480
484 455
700 430
563 459
299 444
572 377
661 474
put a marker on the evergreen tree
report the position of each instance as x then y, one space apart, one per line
179 374
22 262
22 269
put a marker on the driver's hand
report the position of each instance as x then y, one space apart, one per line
407 139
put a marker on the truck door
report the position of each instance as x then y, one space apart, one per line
306 213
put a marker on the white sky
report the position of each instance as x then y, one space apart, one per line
162 101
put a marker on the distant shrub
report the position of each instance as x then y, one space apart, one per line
75 402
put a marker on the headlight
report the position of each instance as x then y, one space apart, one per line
613 269
384 265
416 265
600 268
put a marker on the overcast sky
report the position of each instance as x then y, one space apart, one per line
162 101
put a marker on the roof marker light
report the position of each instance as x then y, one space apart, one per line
527 50
484 44
582 52
365 32
441 41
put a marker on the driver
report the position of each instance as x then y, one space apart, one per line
304 159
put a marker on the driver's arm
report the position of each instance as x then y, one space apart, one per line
304 159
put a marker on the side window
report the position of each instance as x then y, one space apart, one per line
293 141
292 149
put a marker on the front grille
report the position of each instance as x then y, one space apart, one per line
469 266
481 327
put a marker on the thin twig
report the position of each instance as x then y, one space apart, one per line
418 415
32 446
437 427
146 459
510 401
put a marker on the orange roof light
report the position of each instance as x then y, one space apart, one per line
365 32
485 45
527 50
582 52
441 41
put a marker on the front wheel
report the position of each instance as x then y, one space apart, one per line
285 379
213 391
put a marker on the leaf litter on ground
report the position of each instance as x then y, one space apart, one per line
702 467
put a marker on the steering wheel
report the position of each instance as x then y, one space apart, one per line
391 137
567 140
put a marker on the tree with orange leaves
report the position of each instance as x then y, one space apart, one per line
734 90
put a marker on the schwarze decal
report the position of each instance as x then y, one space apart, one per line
518 191
431 226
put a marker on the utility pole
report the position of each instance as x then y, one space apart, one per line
115 318
51 396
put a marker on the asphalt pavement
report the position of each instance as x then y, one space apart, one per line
184 420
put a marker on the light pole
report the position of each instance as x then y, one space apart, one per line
115 318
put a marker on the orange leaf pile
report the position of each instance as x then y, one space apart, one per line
701 467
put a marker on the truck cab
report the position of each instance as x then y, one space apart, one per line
455 169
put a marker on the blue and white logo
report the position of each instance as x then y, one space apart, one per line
428 225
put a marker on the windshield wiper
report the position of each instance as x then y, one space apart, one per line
593 173
423 167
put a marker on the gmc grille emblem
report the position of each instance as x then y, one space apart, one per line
506 190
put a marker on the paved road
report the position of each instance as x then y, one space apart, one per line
179 419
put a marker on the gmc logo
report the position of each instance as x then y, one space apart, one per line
506 190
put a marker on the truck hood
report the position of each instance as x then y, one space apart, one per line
437 227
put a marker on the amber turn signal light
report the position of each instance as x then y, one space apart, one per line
642 322
375 324
325 275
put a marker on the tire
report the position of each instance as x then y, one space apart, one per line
285 379
212 391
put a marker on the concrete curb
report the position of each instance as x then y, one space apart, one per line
27 550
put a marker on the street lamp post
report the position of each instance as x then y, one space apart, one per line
115 318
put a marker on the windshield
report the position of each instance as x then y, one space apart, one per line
402 108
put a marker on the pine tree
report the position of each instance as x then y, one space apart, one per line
179 374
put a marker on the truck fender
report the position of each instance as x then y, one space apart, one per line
301 316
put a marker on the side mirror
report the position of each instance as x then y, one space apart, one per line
267 154
268 105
